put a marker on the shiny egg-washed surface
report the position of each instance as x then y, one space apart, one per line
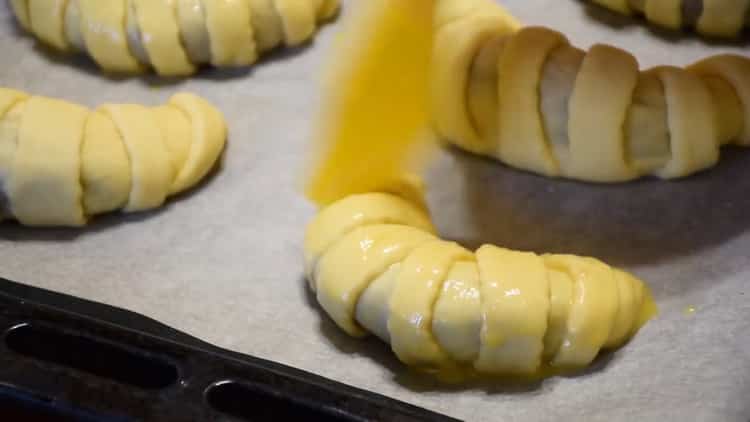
174 37
715 18
377 266
61 163
527 97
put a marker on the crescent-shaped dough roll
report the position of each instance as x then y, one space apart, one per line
549 113
105 166
45 185
736 71
61 163
174 37
152 173
515 304
298 19
20 9
418 286
444 308
714 18
692 125
597 121
208 137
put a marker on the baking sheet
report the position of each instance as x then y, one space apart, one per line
224 263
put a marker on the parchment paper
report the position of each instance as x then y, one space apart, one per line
224 263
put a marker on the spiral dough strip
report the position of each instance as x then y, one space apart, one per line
715 18
61 163
377 266
172 36
528 98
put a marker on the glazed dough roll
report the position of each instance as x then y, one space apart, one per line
377 267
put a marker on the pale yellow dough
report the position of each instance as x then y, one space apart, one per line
11 110
61 163
152 173
161 35
522 140
174 37
418 285
514 296
208 136
597 121
378 267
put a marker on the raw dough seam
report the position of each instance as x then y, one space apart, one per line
708 22
87 185
128 152
180 38
187 117
523 146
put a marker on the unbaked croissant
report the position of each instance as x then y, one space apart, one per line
377 266
61 163
526 97
172 36
717 18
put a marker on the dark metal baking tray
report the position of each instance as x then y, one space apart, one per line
67 359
